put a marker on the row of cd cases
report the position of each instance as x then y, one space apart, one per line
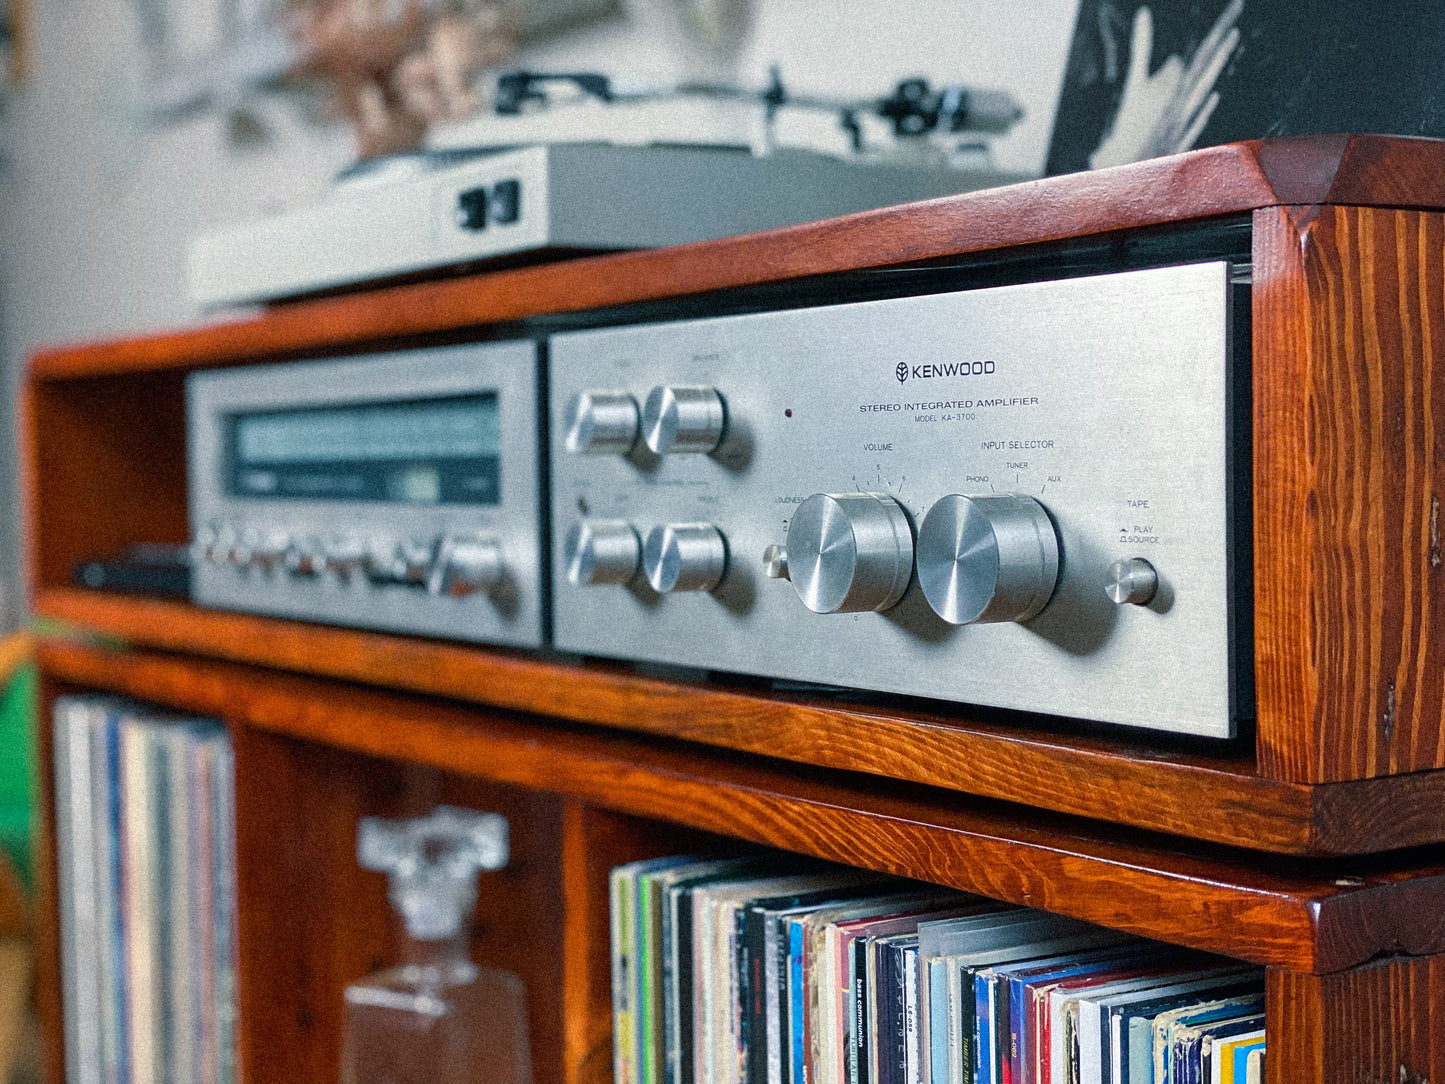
765 969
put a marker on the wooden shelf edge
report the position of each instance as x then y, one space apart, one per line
1247 907
1221 800
1230 179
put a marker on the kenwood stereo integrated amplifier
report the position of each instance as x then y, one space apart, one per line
1014 496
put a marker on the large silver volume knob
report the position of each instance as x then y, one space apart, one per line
601 423
849 552
987 558
683 418
684 557
599 551
466 564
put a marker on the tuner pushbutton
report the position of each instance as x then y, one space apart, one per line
987 558
849 552
601 422
599 551
467 564
684 557
1132 582
683 418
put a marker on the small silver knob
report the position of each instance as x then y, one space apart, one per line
775 563
598 551
850 552
601 422
408 562
267 550
1132 582
684 557
304 557
214 544
683 418
987 558
466 564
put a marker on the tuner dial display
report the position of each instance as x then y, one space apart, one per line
684 557
683 418
598 551
987 558
849 552
601 422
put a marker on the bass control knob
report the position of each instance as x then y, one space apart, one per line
598 551
684 557
601 422
987 558
683 418
849 552
467 564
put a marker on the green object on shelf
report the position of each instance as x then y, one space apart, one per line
17 766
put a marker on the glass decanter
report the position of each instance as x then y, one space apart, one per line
435 1018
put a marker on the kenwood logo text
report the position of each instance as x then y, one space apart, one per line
927 372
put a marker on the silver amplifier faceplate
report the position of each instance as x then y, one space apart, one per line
409 563
1102 400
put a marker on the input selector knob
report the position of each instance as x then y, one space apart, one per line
987 558
598 551
467 564
684 557
849 552
683 418
601 422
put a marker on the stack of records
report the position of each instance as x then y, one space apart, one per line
145 831
768 969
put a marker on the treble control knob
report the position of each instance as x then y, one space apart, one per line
683 418
467 564
849 552
987 558
598 551
601 422
684 557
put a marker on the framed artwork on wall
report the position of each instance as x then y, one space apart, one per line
1152 77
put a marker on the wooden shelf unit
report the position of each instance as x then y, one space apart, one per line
599 764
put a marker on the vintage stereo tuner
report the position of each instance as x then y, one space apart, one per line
398 491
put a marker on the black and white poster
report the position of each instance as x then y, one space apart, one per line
1152 77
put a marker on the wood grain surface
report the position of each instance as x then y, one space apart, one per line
1377 1024
1349 397
104 466
1366 170
1258 908
1104 775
